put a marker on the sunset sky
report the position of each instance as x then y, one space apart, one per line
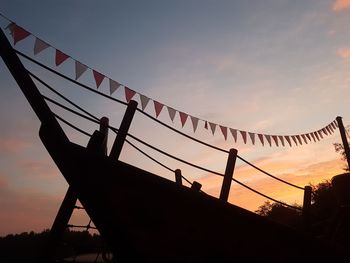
279 67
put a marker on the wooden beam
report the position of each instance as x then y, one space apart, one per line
230 167
344 139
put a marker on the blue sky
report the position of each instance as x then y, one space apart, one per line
275 67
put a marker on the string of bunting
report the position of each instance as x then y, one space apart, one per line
19 33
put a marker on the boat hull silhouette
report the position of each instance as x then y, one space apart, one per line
144 217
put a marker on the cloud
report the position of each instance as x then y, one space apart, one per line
12 145
340 5
344 52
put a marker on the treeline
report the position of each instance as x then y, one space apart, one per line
325 220
26 246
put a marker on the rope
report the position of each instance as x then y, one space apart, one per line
71 125
259 169
270 198
144 113
174 157
60 95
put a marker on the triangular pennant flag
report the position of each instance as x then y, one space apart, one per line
331 128
299 139
288 140
320 133
172 114
282 140
313 136
39 46
234 134
308 136
268 138
295 140
252 137
325 131
18 33
98 78
113 86
335 123
158 107
261 138
129 94
206 125
224 131
212 127
274 137
316 135
144 101
183 118
10 27
60 57
79 69
328 130
194 123
244 136
304 138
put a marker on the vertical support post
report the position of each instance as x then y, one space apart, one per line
306 204
123 130
344 139
196 186
230 167
66 209
178 177
104 123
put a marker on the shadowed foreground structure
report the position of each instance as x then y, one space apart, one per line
146 218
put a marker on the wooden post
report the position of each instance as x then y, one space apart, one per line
123 130
344 139
104 123
226 183
178 177
306 206
196 186
98 144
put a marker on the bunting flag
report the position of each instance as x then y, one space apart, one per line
194 123
252 137
157 107
244 136
282 140
60 57
295 140
144 101
234 134
79 69
261 138
18 34
98 78
224 131
299 139
183 118
288 140
274 137
212 127
172 114
314 136
129 94
268 138
113 86
39 46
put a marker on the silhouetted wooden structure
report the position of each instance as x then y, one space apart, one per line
146 218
